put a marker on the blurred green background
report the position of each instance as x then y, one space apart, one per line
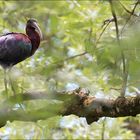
76 51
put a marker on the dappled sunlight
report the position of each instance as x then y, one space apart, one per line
83 46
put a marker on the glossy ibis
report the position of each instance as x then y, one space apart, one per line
16 47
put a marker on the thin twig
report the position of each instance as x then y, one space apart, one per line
107 22
75 56
130 12
71 57
138 2
133 83
113 88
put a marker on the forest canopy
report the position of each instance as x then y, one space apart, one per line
90 44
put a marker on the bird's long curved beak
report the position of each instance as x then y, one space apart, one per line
37 29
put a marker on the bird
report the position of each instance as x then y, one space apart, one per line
16 47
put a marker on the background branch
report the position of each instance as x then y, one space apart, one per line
132 13
125 72
104 27
128 11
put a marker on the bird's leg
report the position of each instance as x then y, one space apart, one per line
11 83
5 81
13 89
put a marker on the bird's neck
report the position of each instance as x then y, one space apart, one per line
35 40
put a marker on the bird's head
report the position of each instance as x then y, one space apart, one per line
32 25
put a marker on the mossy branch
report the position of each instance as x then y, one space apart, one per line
77 102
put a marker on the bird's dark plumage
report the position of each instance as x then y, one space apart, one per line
16 47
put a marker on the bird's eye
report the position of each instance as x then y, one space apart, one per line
33 28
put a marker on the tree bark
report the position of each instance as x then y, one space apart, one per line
77 102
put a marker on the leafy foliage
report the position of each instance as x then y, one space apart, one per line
56 127
79 49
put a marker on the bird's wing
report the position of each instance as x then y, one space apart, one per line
14 47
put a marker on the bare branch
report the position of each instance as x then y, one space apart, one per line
130 12
71 57
105 25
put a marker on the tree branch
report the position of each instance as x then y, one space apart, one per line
130 12
104 27
125 72
76 102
